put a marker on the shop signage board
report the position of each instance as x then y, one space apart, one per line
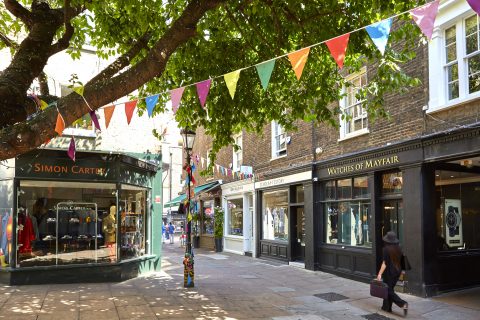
236 188
298 177
369 164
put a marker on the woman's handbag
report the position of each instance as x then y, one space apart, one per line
405 264
378 289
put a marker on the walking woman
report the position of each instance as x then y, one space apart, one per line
391 270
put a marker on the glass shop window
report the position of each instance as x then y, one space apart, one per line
457 195
132 222
392 183
235 217
275 215
65 223
207 216
299 194
348 221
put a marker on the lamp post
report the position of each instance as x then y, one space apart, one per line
188 270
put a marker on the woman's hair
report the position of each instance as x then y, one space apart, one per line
395 253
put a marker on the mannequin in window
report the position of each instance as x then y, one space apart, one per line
109 225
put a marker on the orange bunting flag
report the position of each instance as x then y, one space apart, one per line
108 114
298 60
129 108
338 48
60 126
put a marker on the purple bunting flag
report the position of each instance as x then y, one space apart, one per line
71 149
475 4
424 17
202 90
93 115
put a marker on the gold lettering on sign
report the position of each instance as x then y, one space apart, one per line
367 164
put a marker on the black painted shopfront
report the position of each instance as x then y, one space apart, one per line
83 221
427 190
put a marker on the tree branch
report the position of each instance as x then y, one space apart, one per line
19 11
7 41
239 28
43 81
64 41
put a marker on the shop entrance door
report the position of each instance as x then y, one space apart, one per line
392 217
298 233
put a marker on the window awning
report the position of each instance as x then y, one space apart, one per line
203 188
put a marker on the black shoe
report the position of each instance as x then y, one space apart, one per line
387 310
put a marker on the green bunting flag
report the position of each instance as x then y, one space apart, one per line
231 80
78 90
264 71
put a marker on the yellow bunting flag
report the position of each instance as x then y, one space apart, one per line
60 126
189 217
298 60
78 90
231 80
108 114
43 105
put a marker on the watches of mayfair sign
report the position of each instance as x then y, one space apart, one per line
364 165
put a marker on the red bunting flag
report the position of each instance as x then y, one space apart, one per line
60 125
298 60
129 108
108 114
338 48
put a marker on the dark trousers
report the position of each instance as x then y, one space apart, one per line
392 296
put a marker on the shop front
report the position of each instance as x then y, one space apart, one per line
424 189
285 206
88 220
238 200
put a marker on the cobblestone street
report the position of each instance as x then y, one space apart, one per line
227 287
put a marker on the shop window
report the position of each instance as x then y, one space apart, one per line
207 226
354 119
299 194
235 217
275 215
237 154
279 143
6 219
65 223
132 224
348 221
330 190
457 209
392 183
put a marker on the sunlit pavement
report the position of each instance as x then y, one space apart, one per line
227 286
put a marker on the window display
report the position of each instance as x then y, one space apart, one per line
6 219
132 213
65 223
348 222
275 215
207 227
457 209
235 217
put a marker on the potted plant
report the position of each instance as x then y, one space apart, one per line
218 228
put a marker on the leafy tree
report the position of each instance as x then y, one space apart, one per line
162 45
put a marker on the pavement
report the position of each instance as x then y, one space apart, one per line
227 287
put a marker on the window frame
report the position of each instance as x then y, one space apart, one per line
228 216
237 155
343 103
278 152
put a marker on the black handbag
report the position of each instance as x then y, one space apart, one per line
378 289
405 264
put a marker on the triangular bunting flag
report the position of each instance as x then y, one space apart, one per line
475 5
78 90
129 108
176 95
93 115
151 102
43 105
189 217
424 17
108 114
231 80
202 90
379 33
264 71
60 125
338 48
298 60
71 149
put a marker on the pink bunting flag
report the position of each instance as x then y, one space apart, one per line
94 117
71 149
129 108
424 17
475 5
202 90
176 95
338 48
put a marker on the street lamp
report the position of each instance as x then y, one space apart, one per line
188 270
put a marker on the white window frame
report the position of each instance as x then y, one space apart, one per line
276 151
451 13
228 217
208 156
238 155
343 106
